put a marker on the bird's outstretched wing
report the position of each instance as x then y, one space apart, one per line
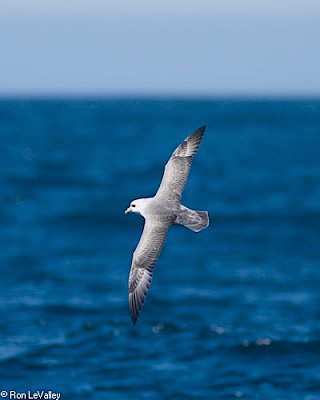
177 168
144 258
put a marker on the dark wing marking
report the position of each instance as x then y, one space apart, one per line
144 258
177 168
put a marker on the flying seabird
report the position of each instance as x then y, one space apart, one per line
160 212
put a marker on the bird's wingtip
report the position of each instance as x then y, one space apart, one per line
134 319
134 309
200 130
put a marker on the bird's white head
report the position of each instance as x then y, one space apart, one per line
137 206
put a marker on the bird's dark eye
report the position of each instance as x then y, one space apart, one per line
133 205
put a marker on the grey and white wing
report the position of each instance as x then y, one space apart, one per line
177 168
143 261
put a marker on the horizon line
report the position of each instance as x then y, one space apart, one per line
157 96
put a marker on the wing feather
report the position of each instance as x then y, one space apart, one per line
143 261
177 168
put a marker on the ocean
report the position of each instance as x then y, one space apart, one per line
233 311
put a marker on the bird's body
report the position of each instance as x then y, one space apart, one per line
160 212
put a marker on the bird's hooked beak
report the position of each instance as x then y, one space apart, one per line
128 210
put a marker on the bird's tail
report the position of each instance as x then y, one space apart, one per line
194 220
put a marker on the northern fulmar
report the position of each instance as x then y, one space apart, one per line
160 212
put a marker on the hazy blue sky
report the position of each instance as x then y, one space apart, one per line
210 47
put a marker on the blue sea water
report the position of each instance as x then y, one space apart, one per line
233 311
